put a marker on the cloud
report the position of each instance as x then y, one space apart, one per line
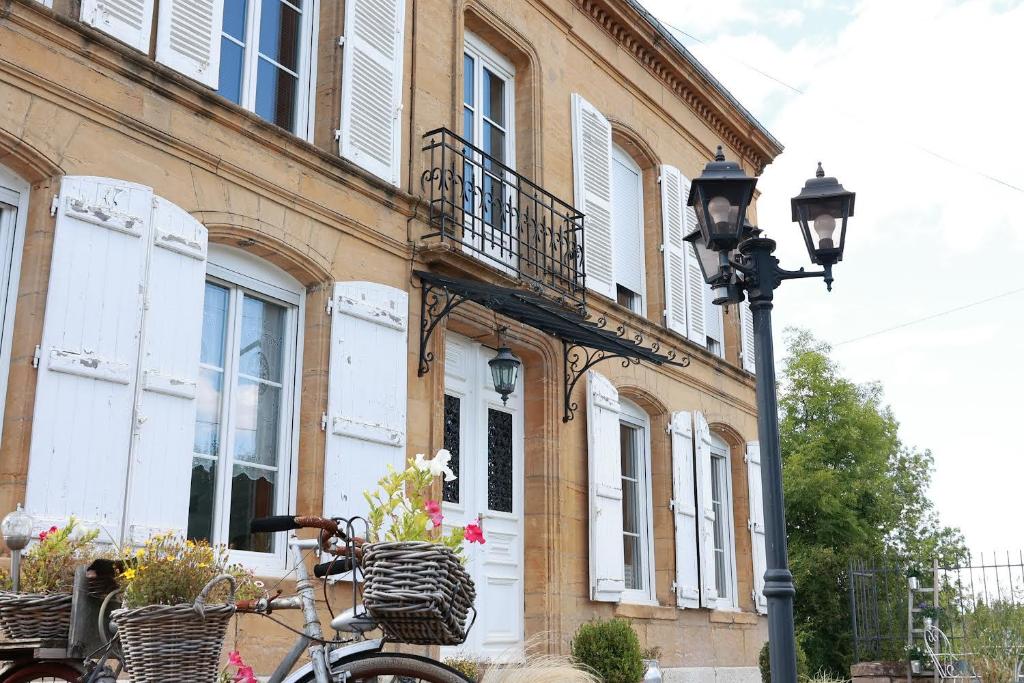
891 89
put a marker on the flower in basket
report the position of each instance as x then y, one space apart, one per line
401 508
49 565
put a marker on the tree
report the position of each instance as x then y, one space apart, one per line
853 490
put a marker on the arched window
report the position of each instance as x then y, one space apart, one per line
13 211
723 532
628 230
247 395
637 516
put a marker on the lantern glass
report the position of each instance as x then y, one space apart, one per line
822 209
720 197
504 372
710 261
16 528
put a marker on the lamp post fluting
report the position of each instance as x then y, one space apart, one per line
737 261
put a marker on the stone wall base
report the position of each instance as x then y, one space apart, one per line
712 674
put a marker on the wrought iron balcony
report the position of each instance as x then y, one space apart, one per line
504 219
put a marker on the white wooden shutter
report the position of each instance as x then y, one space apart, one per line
607 569
706 511
696 288
130 21
371 86
88 356
188 38
756 524
161 463
366 392
592 172
747 337
672 247
684 507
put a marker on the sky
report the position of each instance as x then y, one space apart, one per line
918 107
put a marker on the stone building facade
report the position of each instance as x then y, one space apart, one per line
214 217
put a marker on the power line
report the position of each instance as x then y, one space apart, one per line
932 316
899 139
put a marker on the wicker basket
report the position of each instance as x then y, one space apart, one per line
175 643
419 592
35 616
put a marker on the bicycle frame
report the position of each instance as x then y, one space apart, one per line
320 658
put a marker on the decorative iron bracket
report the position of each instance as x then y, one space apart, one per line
578 359
435 305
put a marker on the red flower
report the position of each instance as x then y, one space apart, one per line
43 535
433 509
474 534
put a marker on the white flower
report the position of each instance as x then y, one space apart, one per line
437 465
421 463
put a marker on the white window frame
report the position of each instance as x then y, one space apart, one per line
243 273
484 55
633 416
620 155
305 89
14 192
720 450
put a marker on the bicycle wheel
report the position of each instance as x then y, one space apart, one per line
394 667
43 672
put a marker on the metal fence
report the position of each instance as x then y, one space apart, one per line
884 608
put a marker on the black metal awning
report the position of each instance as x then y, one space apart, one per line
584 343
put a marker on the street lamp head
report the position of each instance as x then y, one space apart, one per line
712 263
822 209
720 196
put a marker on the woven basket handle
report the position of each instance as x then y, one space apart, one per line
200 604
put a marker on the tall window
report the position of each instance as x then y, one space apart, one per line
627 228
243 439
637 532
721 502
487 124
13 205
264 58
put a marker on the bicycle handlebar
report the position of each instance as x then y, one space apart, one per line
332 567
290 522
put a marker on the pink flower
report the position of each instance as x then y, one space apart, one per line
43 535
245 675
474 534
235 658
433 509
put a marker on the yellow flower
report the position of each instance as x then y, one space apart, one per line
128 574
140 552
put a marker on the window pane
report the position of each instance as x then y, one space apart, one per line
234 18
452 441
279 33
631 559
215 320
630 507
468 95
499 460
718 474
467 125
262 343
208 407
494 97
230 84
201 498
252 495
275 95
627 451
257 422
494 144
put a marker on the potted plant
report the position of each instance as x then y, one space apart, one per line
42 607
929 614
916 656
416 584
178 597
914 576
652 674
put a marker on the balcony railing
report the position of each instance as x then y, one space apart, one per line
504 219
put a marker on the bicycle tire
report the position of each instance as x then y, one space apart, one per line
43 672
410 668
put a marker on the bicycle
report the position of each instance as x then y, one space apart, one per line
350 657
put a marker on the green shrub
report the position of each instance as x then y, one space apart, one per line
467 667
764 663
611 649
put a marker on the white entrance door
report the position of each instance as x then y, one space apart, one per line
486 442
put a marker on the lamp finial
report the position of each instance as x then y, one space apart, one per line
719 155
820 173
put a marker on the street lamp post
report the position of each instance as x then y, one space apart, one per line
719 198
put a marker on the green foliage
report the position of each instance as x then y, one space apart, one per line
469 668
611 649
764 663
400 507
49 566
995 640
852 489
